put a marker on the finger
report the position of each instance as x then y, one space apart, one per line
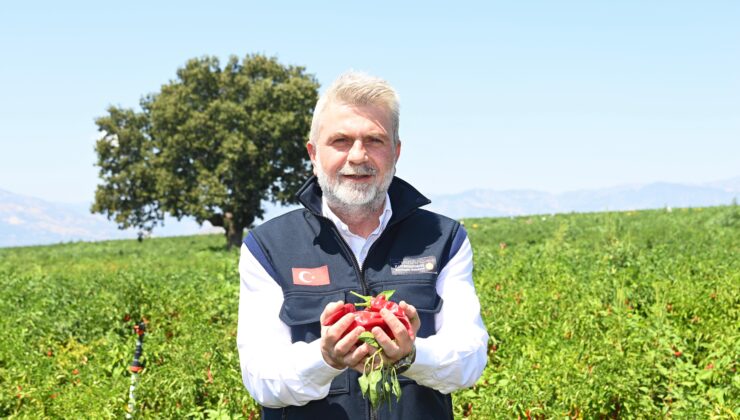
358 355
336 331
364 363
398 329
367 352
360 365
347 343
334 347
333 333
390 347
330 309
412 315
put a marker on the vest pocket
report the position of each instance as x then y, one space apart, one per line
301 308
416 291
302 311
421 293
404 380
340 384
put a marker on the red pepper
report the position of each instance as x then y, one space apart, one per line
377 303
339 313
369 320
407 324
370 317
395 309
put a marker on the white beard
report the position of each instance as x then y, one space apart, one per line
353 198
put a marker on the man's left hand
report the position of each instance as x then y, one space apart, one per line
393 350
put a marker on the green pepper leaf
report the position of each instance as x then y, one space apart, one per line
364 384
373 380
379 384
396 388
375 376
369 338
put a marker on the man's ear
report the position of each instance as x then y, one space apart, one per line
398 150
311 148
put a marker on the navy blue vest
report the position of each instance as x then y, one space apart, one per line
407 257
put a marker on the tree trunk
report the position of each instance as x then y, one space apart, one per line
234 231
234 236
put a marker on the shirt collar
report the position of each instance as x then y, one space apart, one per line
384 217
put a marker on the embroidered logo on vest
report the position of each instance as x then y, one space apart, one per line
414 266
318 276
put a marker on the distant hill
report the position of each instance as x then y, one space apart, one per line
32 221
489 203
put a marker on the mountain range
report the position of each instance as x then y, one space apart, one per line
489 203
33 221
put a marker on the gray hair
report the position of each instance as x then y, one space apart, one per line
359 89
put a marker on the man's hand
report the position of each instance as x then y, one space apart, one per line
341 352
394 350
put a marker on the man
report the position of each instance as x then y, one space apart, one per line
361 230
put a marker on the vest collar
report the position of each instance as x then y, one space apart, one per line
405 199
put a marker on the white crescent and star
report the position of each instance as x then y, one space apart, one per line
303 279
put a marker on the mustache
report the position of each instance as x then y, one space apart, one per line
358 170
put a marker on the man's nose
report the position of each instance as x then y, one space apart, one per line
357 154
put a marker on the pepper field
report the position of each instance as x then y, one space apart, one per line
603 315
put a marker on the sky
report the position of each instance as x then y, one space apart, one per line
542 95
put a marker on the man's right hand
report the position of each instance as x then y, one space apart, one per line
341 352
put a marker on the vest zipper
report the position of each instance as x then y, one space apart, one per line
360 271
373 414
361 274
348 251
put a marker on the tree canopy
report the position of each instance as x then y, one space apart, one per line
212 144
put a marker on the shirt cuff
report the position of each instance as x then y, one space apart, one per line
424 363
314 368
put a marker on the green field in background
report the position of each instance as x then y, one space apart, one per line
616 315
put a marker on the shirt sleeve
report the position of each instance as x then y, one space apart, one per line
275 371
455 356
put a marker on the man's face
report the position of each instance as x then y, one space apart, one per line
354 158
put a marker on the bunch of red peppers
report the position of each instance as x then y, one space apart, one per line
379 380
370 317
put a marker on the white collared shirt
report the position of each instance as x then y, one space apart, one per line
278 373
359 245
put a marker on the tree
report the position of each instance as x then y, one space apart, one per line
212 144
125 157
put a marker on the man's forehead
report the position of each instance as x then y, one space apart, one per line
342 116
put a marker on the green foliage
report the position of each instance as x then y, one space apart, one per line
604 315
212 144
125 158
68 313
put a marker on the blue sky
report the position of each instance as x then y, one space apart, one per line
543 95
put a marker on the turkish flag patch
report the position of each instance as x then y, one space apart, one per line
318 276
